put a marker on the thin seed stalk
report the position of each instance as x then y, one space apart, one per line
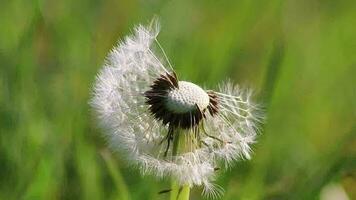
179 192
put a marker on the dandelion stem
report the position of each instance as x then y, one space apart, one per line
179 192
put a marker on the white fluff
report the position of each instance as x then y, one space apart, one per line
129 70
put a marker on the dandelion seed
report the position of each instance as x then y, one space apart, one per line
144 107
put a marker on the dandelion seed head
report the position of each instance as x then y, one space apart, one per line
143 107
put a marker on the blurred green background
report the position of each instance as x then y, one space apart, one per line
299 55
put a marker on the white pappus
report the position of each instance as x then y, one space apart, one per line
145 109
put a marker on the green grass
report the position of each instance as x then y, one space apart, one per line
298 55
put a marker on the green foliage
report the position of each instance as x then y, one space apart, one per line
299 55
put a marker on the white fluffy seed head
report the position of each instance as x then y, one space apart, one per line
130 70
186 97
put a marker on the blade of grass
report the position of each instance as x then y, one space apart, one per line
114 172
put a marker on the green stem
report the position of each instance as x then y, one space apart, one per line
179 192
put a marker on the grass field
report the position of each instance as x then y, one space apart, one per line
300 56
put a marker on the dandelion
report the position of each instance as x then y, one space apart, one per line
166 126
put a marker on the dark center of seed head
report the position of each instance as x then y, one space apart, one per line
179 103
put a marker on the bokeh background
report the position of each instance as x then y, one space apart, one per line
299 55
